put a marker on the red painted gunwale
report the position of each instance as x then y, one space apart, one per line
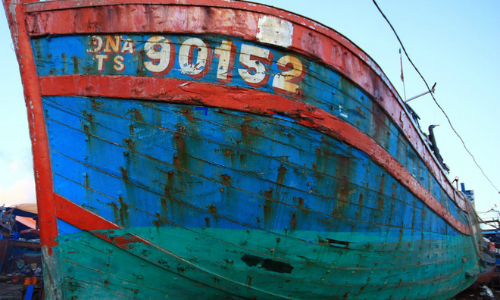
248 100
309 38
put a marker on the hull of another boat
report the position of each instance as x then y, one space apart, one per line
217 150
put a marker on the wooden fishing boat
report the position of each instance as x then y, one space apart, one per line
210 149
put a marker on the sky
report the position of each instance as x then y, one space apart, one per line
455 43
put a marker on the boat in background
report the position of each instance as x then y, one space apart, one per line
489 263
20 249
493 236
228 150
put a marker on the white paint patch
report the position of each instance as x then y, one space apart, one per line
342 114
275 31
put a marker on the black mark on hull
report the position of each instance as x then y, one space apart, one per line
268 264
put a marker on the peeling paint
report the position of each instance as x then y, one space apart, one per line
275 31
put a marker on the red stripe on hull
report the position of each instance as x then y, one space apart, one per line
87 221
247 100
80 217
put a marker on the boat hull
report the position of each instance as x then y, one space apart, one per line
236 155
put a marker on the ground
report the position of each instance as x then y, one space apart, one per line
13 291
474 293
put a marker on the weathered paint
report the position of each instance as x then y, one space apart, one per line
358 109
222 160
259 102
172 62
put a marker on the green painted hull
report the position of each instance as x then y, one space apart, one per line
187 264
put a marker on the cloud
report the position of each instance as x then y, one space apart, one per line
22 191
19 165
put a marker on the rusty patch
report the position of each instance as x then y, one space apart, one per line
380 198
116 211
228 153
76 69
342 199
64 62
247 131
301 203
181 158
400 237
164 208
167 190
137 115
249 280
157 223
87 185
124 173
96 105
141 71
88 116
129 143
394 189
281 175
343 166
226 179
268 207
123 212
212 209
359 213
177 162
188 113
293 224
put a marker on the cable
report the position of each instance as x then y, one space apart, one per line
428 88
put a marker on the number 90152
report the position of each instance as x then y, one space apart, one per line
196 59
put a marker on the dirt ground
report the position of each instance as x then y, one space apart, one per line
13 291
474 293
